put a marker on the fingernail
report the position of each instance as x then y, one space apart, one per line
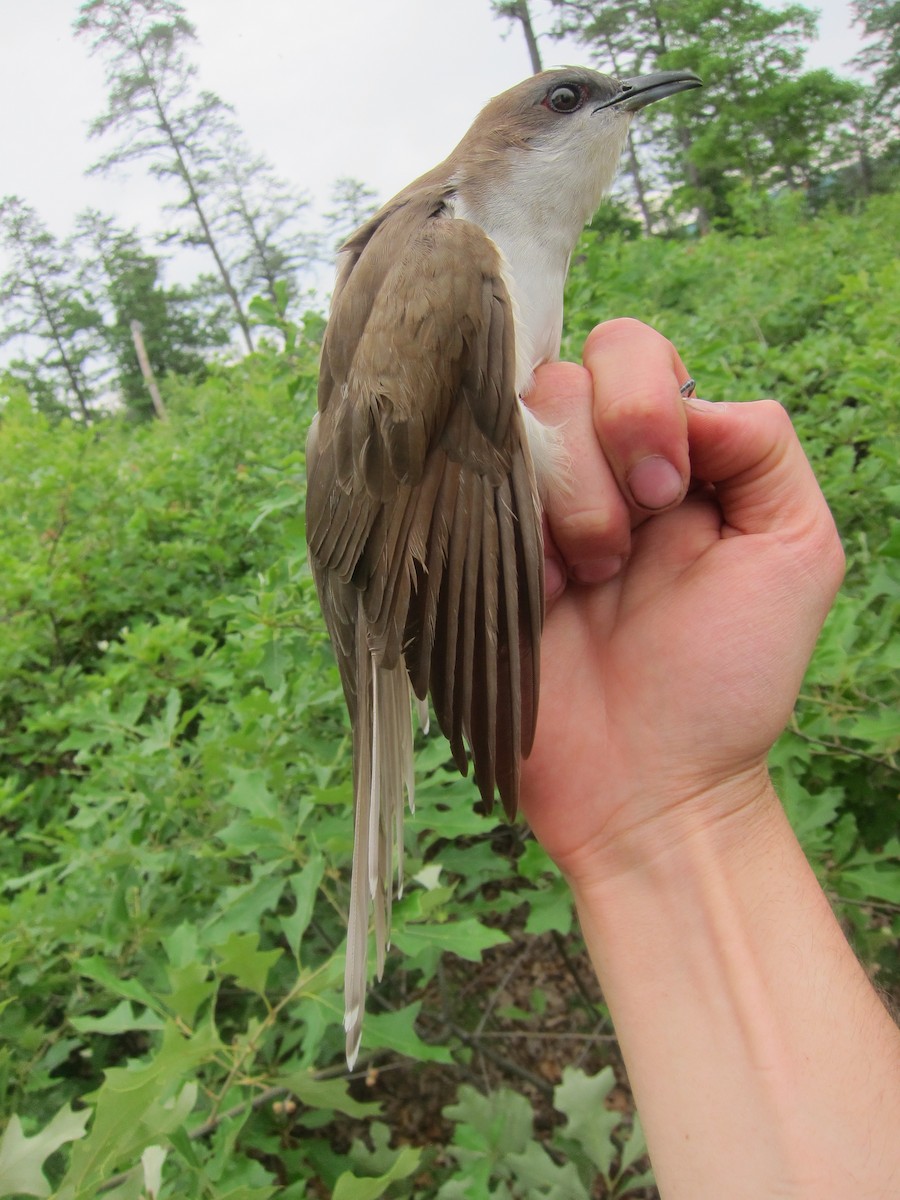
597 570
655 482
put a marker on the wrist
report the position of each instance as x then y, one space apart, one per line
724 818
738 1004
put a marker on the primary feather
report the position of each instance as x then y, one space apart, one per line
423 521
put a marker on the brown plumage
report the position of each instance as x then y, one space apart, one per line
423 506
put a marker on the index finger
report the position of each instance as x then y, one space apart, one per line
588 523
639 413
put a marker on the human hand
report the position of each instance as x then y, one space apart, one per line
679 619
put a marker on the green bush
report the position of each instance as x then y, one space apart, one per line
175 795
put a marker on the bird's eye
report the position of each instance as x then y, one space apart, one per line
565 98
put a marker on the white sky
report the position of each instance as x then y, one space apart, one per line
375 89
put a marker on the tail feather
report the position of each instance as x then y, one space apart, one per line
383 771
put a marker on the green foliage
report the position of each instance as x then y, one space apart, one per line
162 118
21 1157
760 120
75 301
880 21
174 804
175 788
41 300
496 1153
125 284
231 203
805 311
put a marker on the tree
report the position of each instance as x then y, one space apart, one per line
627 38
352 205
880 21
517 10
585 20
159 115
263 214
759 120
42 302
124 284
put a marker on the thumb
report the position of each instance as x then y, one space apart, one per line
763 481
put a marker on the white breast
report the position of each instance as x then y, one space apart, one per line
534 270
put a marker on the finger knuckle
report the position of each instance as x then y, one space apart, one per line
595 531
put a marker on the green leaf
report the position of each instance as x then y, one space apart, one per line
881 727
466 938
395 1031
250 792
351 1187
582 1098
325 1093
241 908
190 987
182 945
634 1147
272 664
305 886
137 1106
551 908
131 1187
491 1126
121 1019
874 881
544 1177
456 820
21 1157
101 972
534 862
240 957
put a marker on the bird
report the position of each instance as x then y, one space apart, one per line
427 474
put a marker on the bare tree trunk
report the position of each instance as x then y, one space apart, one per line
633 167
633 163
704 223
208 238
866 173
524 16
137 333
685 141
517 10
75 377
194 197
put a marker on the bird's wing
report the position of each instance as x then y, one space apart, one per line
423 519
424 532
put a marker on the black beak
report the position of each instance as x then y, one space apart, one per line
637 93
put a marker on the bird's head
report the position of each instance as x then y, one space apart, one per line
557 136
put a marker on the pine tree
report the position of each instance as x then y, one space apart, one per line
42 303
161 117
880 21
263 219
124 284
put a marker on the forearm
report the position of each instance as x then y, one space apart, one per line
762 1062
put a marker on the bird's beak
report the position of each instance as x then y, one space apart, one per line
637 93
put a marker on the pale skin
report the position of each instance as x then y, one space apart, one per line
680 619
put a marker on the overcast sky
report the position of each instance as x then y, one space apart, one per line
375 89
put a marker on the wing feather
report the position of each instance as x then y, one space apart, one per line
424 528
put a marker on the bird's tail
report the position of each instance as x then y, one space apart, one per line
383 770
